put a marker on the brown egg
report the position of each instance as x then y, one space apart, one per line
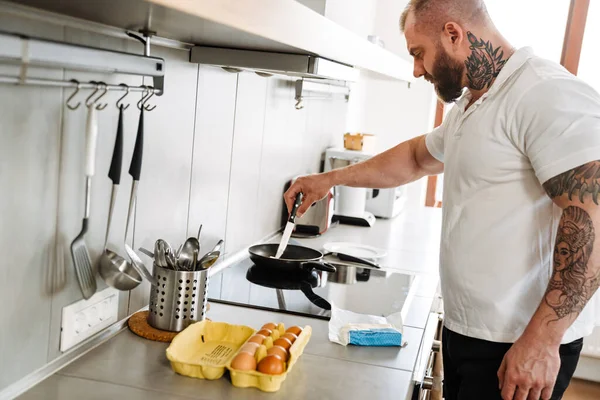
290 336
249 347
257 339
283 342
264 332
278 351
271 365
270 326
296 330
244 362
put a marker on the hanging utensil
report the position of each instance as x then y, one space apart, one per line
289 226
114 172
135 168
138 264
114 269
79 251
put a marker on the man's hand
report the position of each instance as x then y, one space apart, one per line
313 188
529 369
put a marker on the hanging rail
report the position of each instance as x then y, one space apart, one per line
27 51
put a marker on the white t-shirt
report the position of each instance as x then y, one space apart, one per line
536 121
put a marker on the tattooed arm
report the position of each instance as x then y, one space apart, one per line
530 367
576 274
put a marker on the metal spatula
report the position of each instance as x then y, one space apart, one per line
79 251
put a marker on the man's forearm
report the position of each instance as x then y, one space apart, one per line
397 166
576 273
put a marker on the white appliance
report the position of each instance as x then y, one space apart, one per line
382 203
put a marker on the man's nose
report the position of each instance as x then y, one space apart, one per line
418 70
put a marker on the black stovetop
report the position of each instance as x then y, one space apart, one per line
362 290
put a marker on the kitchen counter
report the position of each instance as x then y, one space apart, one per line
131 367
411 240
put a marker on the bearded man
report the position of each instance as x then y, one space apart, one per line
520 154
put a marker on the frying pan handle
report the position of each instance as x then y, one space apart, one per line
321 266
314 298
348 257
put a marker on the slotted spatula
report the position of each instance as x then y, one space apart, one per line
79 251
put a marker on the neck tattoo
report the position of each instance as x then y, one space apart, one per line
484 64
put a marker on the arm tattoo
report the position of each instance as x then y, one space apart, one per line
484 64
571 285
581 181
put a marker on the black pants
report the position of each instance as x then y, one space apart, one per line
471 367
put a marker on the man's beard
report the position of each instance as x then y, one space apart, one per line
447 76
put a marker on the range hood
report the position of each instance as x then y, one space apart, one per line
269 63
264 35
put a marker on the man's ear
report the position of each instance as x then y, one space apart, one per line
453 34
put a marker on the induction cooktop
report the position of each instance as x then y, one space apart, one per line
356 288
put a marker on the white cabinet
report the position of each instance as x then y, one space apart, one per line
357 16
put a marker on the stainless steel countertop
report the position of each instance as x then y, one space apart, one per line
131 367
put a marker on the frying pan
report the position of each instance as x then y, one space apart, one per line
294 258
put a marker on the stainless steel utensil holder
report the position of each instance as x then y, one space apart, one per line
179 300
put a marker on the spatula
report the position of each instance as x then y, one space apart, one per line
289 227
79 251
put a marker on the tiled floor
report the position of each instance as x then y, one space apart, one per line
582 390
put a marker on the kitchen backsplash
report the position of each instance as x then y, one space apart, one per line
218 150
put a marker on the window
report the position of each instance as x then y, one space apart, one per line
540 24
589 64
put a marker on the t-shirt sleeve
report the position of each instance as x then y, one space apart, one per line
557 125
435 143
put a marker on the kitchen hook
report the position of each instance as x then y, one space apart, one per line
149 92
71 97
99 85
119 104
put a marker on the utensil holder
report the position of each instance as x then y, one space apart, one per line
179 300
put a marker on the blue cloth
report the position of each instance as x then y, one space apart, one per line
375 337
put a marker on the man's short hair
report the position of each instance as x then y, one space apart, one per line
432 15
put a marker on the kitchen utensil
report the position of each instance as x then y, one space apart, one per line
113 268
348 257
289 226
293 259
355 250
138 264
114 172
186 259
135 168
211 257
118 273
160 253
79 251
146 252
199 230
170 256
300 279
179 300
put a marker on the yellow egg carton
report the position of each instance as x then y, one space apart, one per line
204 349
266 382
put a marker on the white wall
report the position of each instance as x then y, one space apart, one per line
218 150
389 108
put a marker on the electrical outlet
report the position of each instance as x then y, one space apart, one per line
85 318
